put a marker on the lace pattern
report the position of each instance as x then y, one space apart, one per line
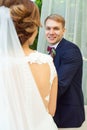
39 58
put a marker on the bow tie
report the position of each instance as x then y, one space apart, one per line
51 51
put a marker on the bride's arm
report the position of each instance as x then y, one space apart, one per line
53 97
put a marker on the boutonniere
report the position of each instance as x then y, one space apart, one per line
51 51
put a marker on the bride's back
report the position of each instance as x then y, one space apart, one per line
44 74
41 73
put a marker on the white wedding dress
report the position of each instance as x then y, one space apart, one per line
21 106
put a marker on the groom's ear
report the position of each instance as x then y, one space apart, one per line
64 30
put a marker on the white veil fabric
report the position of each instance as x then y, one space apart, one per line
21 106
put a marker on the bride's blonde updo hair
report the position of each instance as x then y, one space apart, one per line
25 15
8 3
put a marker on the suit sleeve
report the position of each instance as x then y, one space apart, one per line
71 60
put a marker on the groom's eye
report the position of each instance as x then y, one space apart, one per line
48 28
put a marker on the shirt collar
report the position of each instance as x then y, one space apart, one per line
55 46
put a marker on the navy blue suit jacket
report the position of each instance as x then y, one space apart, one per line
70 104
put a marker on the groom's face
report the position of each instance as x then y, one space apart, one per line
54 31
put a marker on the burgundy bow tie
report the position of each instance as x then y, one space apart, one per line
51 51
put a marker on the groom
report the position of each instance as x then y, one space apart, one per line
68 62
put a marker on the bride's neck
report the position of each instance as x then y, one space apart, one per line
27 50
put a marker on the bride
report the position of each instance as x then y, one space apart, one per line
28 79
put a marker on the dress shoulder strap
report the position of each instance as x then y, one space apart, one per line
41 58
